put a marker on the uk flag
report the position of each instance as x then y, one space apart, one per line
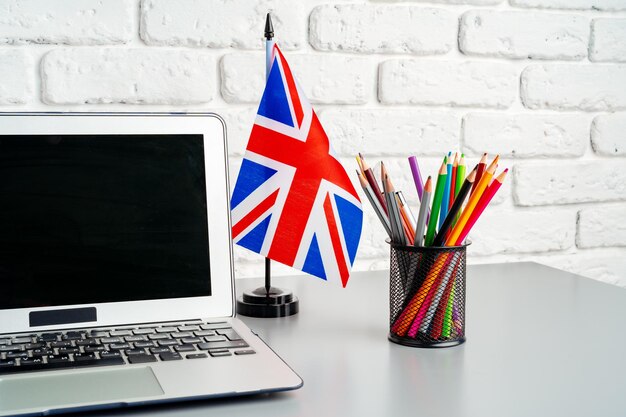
293 201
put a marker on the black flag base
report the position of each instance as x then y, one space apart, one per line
263 303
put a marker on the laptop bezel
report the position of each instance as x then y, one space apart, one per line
221 301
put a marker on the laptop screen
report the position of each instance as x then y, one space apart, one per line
102 218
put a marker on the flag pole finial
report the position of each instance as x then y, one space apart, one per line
269 28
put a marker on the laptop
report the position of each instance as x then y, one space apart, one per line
116 267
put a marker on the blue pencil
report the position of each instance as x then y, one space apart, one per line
446 192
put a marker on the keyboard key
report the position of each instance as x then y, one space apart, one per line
15 355
171 356
4 342
230 334
58 359
217 354
49 337
135 338
80 357
215 338
168 342
119 346
141 358
62 343
91 349
30 346
62 364
72 336
158 336
166 329
201 333
87 342
223 345
179 335
121 333
196 356
188 340
188 328
214 326
145 344
68 350
8 363
184 348
141 331
111 340
245 352
10 348
159 350
31 361
17 340
99 333
132 352
107 354
42 352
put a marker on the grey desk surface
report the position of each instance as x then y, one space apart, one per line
540 342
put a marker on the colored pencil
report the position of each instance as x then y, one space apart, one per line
460 174
408 214
417 176
456 208
453 179
409 231
473 201
369 175
420 228
482 204
434 212
481 169
446 191
369 193
394 211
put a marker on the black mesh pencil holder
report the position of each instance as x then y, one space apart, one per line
427 296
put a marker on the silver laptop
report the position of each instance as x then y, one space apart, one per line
116 271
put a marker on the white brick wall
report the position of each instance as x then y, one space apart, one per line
541 82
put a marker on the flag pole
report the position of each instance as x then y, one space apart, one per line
268 301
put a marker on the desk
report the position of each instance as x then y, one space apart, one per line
540 342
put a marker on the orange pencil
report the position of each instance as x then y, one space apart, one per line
481 169
473 201
482 204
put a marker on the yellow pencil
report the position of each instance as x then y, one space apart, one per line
467 212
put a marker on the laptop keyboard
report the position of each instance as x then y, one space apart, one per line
119 346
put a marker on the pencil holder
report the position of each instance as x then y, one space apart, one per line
427 296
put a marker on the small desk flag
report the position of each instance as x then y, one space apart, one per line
293 201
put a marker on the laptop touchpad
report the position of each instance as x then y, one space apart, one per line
67 389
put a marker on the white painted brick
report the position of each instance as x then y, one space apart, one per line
524 35
324 78
137 76
447 83
385 132
474 2
608 134
572 4
602 226
502 230
220 24
608 40
569 182
526 135
407 29
84 22
574 87
15 80
238 127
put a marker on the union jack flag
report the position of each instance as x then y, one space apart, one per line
293 201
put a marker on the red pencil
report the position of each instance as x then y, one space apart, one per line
481 168
369 176
481 205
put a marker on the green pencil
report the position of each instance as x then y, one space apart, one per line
460 175
434 212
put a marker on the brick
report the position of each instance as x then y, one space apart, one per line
15 81
73 22
608 134
502 230
601 226
447 83
574 87
407 29
324 78
526 135
545 183
608 40
392 132
238 127
132 76
572 4
524 35
220 24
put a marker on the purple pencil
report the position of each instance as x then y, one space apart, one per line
417 176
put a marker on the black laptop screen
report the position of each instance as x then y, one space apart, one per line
104 218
